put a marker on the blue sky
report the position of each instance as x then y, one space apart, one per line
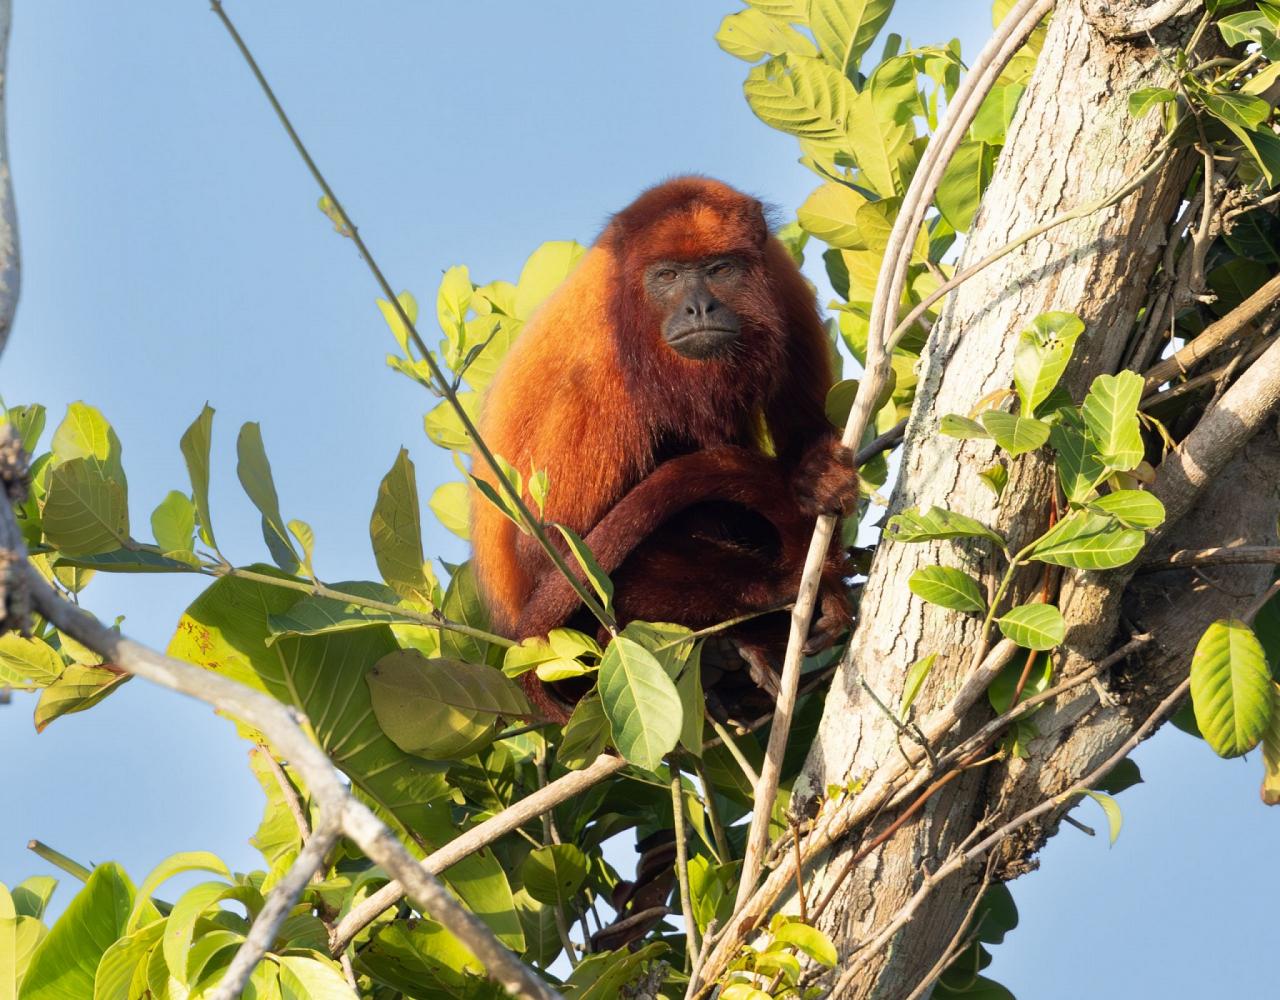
173 253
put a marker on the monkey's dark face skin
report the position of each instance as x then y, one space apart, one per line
694 297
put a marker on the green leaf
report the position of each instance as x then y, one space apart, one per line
641 703
751 35
916 676
1080 468
27 664
596 576
28 424
1015 434
1271 752
585 734
693 702
1084 540
173 523
395 530
226 628
845 29
830 213
392 316
1264 146
1132 508
1124 775
935 522
991 123
463 604
1034 626
543 272
950 588
1143 100
451 504
803 97
312 979
180 926
125 561
554 874
441 709
174 864
807 939
1235 109
78 688
453 299
83 512
961 188
64 963
85 434
1231 688
1110 414
306 539
1001 690
254 472
316 615
996 477
1115 819
1043 352
195 443
444 427
956 426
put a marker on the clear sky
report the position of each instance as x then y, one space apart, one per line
172 253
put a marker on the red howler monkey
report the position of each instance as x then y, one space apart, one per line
641 387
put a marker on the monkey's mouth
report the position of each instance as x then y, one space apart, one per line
701 342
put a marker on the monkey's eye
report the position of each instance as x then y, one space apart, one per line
666 275
720 268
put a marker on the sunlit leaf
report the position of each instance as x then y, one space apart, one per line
641 703
1132 508
1034 626
26 664
451 504
916 676
845 29
751 35
830 213
173 522
935 522
947 587
1110 412
79 687
1015 434
1115 820
542 273
1231 688
196 440
395 529
554 874
1041 356
83 512
254 471
1084 540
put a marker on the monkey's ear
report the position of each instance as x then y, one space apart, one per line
758 222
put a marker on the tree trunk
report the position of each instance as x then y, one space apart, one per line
1072 141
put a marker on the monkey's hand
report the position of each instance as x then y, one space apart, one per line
825 481
832 621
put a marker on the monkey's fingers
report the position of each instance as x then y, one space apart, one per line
826 481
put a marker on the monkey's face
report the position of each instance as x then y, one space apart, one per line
695 300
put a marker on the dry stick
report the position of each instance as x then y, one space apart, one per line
1021 21
1217 334
959 860
695 978
445 387
1239 556
682 865
527 809
281 725
1217 377
959 941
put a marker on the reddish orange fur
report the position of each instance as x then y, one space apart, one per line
592 394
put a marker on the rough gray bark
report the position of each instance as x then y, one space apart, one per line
1072 140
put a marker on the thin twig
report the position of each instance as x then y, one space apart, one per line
959 941
724 851
695 978
735 751
443 384
1241 555
692 947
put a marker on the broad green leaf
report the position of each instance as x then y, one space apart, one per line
991 123
395 530
751 35
422 956
451 504
125 561
392 315
916 676
306 539
956 426
1034 626
554 874
195 443
845 29
1231 688
1079 466
1110 412
85 434
543 272
996 477
453 299
1234 109
1143 100
830 213
254 472
961 188
173 523
323 676
78 688
641 703
1043 351
1245 27
32 895
1124 775
28 424
692 702
125 961
1132 508
1115 819
64 964
441 709
1001 690
444 427
174 864
463 604
1015 434
20 937
27 664
1264 146
180 925
1084 540
596 576
603 975
83 512
950 588
935 522
881 133
317 615
585 734
807 939
312 979
803 97
743 991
